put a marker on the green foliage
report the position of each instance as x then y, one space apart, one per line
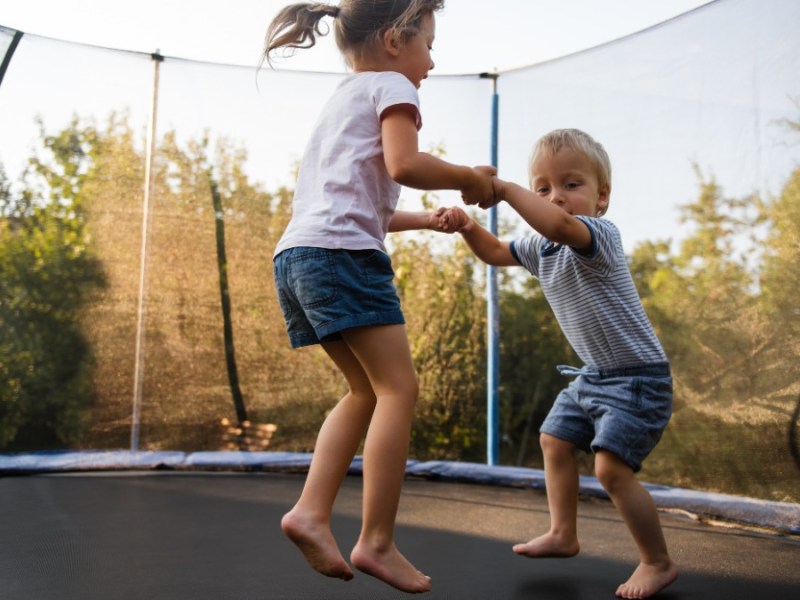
445 320
695 296
531 345
731 340
70 246
47 274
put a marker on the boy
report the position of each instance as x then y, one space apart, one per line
620 402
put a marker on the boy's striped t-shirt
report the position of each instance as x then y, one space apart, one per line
593 297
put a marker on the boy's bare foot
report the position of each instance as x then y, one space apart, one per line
548 546
390 567
317 544
648 580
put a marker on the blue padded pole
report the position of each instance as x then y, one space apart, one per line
493 313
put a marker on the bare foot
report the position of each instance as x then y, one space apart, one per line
648 580
317 544
390 567
548 546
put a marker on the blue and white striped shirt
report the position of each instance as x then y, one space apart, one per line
593 297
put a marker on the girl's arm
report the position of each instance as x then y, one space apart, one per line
423 171
408 221
548 219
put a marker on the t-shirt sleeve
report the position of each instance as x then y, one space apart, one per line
602 257
527 252
394 91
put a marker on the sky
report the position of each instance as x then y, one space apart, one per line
473 36
705 88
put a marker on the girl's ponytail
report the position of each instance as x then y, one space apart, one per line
297 26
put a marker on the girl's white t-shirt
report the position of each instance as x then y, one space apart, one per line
344 197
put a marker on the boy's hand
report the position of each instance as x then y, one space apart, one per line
479 189
455 219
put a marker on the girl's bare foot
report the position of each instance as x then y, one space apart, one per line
390 567
648 580
549 546
316 542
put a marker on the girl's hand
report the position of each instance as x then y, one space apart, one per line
480 189
499 191
435 220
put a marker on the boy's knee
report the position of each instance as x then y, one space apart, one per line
554 446
611 471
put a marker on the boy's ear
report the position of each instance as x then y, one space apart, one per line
603 199
391 42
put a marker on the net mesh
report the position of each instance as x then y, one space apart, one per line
699 116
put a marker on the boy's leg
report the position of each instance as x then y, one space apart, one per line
656 569
384 353
308 523
561 480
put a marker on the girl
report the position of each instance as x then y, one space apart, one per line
334 278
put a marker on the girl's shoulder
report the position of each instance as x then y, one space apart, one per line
381 80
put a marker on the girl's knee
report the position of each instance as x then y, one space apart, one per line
363 396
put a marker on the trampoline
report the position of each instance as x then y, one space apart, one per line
170 534
700 95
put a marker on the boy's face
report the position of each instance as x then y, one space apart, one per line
568 179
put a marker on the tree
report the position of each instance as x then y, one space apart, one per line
532 345
780 281
48 273
445 321
699 296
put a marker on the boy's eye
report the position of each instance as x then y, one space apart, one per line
542 190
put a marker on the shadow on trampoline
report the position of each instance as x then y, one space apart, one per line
166 535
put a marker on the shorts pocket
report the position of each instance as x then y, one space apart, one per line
311 273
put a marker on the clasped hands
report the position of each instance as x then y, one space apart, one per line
484 190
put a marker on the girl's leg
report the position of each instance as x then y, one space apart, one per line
561 480
384 354
656 570
308 523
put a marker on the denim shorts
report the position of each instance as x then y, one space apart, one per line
621 410
323 292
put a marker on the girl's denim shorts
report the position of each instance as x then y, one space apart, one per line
622 410
322 292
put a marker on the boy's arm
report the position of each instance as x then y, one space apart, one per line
423 171
481 241
551 221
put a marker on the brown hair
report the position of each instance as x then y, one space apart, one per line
359 24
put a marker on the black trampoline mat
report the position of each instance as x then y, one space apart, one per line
174 536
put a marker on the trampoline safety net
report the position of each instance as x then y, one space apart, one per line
141 314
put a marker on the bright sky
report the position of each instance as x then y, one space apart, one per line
473 36
707 89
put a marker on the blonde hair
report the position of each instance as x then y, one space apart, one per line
359 24
577 141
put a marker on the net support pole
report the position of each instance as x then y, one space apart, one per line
493 311
149 186
12 47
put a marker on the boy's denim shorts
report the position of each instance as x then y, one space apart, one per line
322 292
622 410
